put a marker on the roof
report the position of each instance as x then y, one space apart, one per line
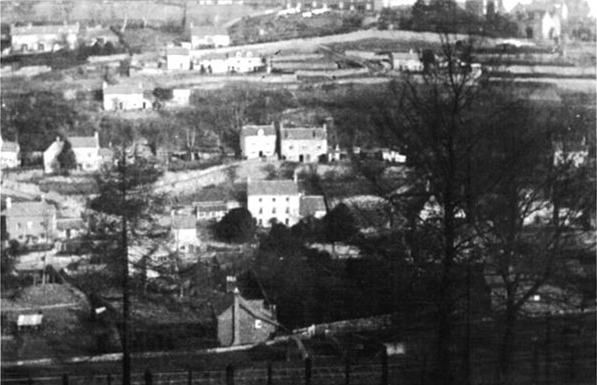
55 148
123 89
272 187
253 130
208 31
44 29
10 146
180 222
206 207
313 133
311 204
106 152
29 209
177 51
69 223
83 141
405 56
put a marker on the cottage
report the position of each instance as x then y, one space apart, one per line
208 36
124 97
406 61
9 154
312 206
30 222
51 164
258 141
542 21
178 58
212 64
245 62
245 321
273 201
86 150
303 144
184 230
181 96
43 38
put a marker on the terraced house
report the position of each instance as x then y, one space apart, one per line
258 141
273 201
43 38
301 144
86 149
30 222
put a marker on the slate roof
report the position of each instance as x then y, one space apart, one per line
177 51
180 222
206 207
123 89
314 133
83 142
10 146
44 29
29 209
69 223
208 31
251 130
272 187
55 148
310 204
405 56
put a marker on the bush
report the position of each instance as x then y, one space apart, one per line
237 226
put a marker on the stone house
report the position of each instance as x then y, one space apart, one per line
214 210
30 222
184 231
178 58
303 144
43 38
86 150
406 61
258 141
542 20
208 36
124 97
273 200
244 62
312 206
245 321
51 164
181 96
9 154
212 64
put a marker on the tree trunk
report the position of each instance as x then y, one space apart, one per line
506 347
126 357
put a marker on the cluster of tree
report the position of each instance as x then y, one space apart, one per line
445 16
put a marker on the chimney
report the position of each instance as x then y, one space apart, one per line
295 176
8 203
96 136
248 180
236 318
230 284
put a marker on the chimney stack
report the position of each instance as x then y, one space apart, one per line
236 317
230 284
8 203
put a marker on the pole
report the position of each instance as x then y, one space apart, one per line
229 374
384 367
126 354
269 373
346 370
308 367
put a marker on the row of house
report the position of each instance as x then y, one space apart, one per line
89 156
180 58
297 144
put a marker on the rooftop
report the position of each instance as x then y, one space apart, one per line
29 209
301 133
180 222
83 141
44 29
272 187
254 130
177 51
311 204
10 146
123 89
208 30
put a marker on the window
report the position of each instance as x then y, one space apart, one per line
19 226
287 199
30 225
286 221
260 200
274 210
261 210
260 222
273 199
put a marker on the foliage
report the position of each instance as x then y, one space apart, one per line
236 226
66 158
340 224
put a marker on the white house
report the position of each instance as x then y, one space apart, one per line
406 61
300 144
51 164
86 150
184 231
273 200
43 38
258 141
124 97
244 62
181 96
178 58
9 154
208 36
212 64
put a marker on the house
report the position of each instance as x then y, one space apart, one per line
69 228
337 250
43 38
98 34
178 58
568 152
542 20
106 155
151 259
181 96
30 222
273 200
86 150
9 154
124 97
51 164
215 210
339 5
406 61
208 36
244 62
303 144
184 230
245 321
212 64
312 206
258 141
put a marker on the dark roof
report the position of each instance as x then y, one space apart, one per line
177 51
314 133
208 31
206 207
83 141
10 146
252 130
106 152
69 223
272 187
123 89
184 222
310 204
29 209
